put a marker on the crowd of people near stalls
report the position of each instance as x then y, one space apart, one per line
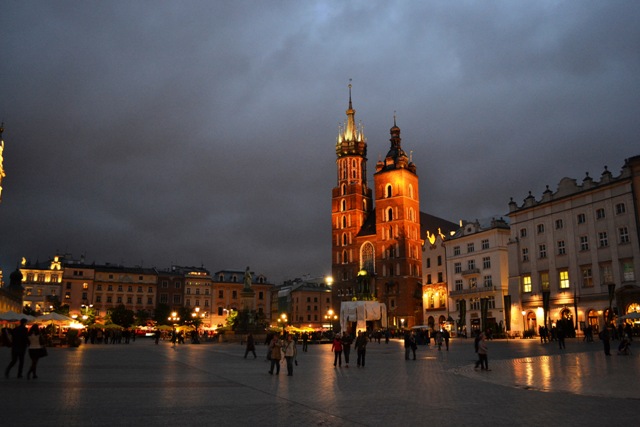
108 336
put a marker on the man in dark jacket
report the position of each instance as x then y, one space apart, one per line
19 344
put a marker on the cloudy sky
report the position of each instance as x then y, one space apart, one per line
203 132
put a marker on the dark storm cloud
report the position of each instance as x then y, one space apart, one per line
204 132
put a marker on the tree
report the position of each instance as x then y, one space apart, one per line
122 316
141 317
161 314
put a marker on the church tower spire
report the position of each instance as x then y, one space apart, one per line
351 199
2 174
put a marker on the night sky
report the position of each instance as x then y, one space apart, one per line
203 132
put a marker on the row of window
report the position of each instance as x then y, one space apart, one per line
440 278
581 218
586 277
472 283
439 260
471 247
474 303
120 300
471 265
120 288
603 242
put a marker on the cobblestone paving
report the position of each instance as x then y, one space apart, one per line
143 384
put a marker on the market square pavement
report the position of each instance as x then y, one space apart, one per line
144 384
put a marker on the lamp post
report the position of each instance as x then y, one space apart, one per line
196 316
331 317
329 280
283 319
612 290
402 323
174 318
524 326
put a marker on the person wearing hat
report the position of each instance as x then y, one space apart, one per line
19 344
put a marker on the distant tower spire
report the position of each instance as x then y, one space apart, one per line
351 140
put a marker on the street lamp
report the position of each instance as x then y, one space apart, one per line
524 312
331 317
174 318
283 320
402 323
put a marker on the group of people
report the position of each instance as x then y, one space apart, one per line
342 345
20 339
277 350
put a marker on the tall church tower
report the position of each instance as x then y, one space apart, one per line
398 245
2 174
351 202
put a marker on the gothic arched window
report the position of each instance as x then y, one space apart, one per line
367 258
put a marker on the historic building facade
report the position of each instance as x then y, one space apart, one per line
377 250
574 253
478 274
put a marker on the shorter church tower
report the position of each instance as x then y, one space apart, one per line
398 244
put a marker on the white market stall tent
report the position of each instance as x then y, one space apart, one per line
361 312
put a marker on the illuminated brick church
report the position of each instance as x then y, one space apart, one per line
377 232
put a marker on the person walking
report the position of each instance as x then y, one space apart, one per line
174 337
483 353
476 345
336 347
561 335
305 341
275 354
361 348
251 346
605 337
36 350
19 344
290 354
346 347
446 336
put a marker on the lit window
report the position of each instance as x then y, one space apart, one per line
544 281
526 284
564 279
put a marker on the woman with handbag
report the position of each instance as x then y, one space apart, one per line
36 350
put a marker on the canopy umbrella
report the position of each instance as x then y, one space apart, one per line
112 326
96 326
56 318
12 316
634 315
165 328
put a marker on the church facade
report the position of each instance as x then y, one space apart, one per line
377 231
